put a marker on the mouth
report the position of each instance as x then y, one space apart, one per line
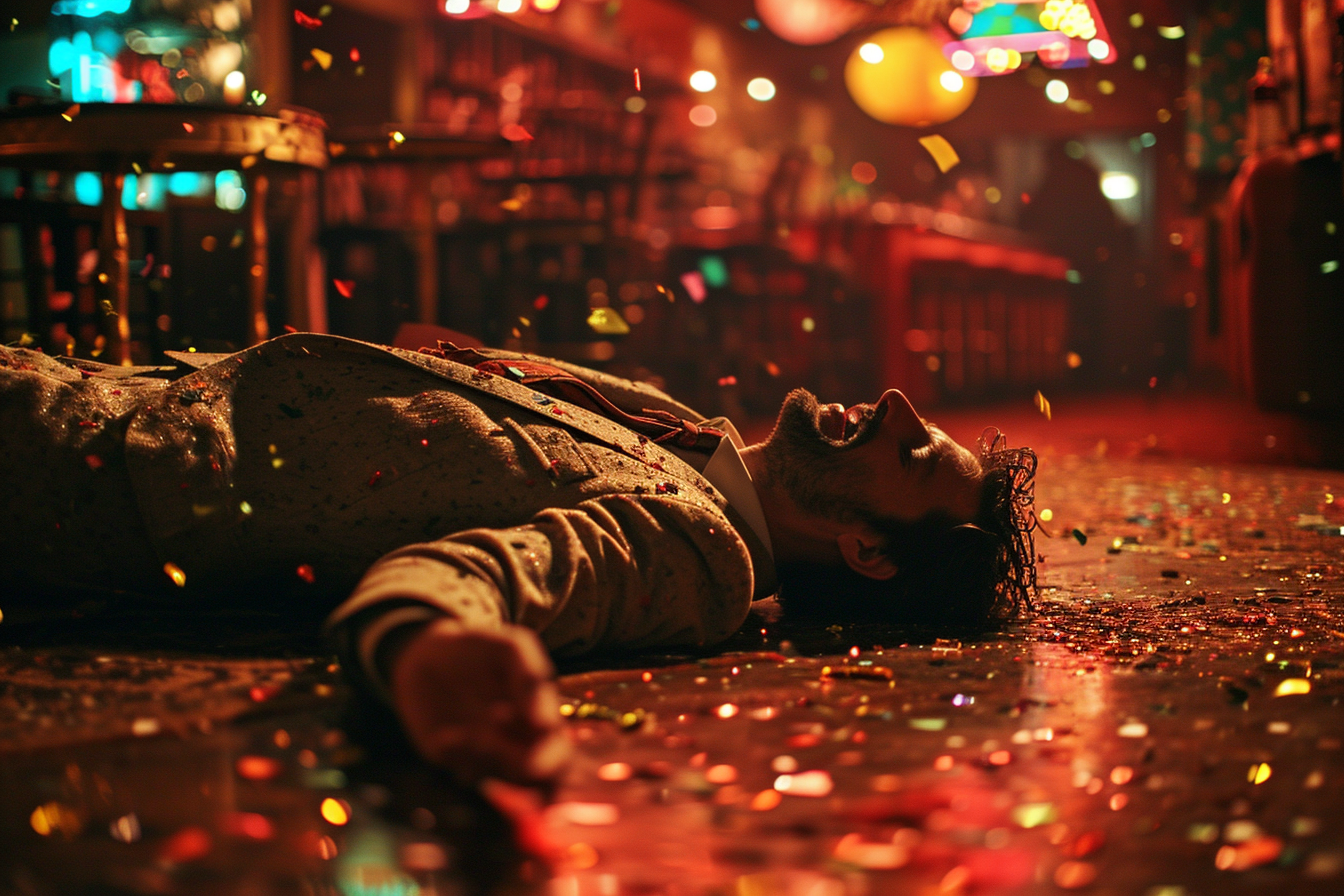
841 425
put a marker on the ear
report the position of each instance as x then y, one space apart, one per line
862 552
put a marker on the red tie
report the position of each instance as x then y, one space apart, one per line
656 425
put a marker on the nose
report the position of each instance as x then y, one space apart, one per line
900 418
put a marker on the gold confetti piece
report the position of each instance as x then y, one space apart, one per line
607 321
1290 686
877 673
55 818
70 113
335 811
1042 404
944 156
175 573
397 137
512 205
323 58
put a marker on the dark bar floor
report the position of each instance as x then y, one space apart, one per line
1167 724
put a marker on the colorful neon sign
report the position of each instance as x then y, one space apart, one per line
996 37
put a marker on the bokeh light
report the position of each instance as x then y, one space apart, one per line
1119 185
703 81
703 116
872 53
762 89
1056 91
809 22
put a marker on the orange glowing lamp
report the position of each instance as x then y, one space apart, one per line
909 82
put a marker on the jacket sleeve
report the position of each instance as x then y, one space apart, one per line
615 572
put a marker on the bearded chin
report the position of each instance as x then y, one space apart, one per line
803 463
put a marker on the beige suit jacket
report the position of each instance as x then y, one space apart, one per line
382 478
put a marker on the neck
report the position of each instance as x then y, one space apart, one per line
794 536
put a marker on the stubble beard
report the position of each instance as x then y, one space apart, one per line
813 470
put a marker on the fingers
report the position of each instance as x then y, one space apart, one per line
481 703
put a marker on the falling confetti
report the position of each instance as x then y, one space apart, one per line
175 573
345 287
637 87
56 818
334 811
1042 404
608 322
323 58
303 20
694 284
125 829
944 156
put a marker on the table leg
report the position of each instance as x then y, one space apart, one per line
115 269
259 328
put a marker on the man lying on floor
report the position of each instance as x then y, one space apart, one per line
466 512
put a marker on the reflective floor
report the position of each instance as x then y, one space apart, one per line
1168 724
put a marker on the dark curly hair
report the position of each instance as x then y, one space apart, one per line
967 575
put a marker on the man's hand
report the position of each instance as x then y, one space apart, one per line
480 702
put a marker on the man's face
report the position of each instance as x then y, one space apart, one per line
881 459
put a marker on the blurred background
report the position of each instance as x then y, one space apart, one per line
977 202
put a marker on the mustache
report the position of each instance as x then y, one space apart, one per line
798 423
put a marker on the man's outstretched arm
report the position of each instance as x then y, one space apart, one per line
454 633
